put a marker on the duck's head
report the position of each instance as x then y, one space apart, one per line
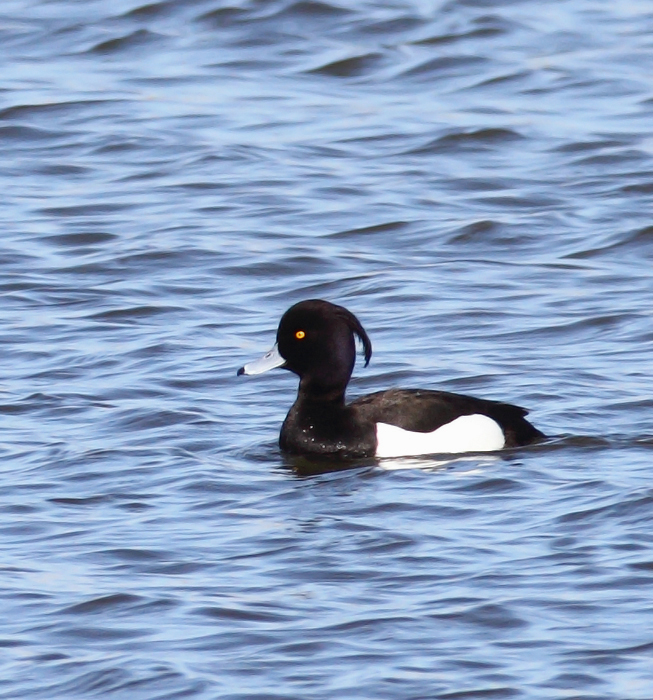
316 341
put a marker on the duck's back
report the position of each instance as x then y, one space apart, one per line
424 411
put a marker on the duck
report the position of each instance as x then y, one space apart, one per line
316 340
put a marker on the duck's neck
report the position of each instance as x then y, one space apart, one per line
314 392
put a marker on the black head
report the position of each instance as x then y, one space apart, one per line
316 338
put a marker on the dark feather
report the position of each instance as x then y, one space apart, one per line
423 411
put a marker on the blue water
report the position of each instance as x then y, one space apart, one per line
474 180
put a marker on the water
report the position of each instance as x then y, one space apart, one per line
474 180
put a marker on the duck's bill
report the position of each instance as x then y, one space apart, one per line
269 361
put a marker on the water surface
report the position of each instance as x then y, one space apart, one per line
474 180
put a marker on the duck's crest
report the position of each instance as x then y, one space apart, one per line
356 327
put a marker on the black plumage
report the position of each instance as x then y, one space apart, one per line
316 341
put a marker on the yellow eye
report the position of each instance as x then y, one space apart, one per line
300 334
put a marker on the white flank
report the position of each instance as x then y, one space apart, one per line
476 433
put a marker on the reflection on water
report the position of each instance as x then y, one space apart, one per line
473 180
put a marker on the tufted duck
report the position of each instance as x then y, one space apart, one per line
315 340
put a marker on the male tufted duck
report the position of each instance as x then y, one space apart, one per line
315 340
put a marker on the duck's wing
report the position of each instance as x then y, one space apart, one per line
423 411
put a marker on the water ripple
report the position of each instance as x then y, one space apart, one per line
473 180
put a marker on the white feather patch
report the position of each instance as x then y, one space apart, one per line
475 433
